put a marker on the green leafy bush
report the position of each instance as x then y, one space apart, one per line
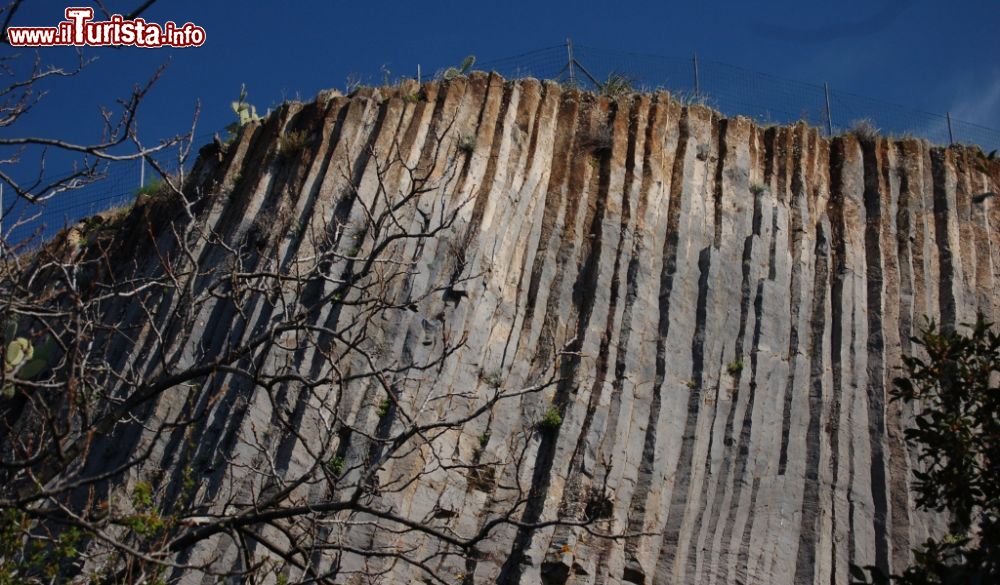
552 419
151 188
956 398
335 465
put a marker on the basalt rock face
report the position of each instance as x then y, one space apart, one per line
735 301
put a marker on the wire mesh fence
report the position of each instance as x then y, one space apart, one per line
117 184
732 90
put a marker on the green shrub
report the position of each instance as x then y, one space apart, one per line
142 495
150 188
735 367
335 465
552 420
949 381
383 407
417 96
25 556
146 521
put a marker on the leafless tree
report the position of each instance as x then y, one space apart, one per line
235 402
26 82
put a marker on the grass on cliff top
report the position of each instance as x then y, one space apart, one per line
618 86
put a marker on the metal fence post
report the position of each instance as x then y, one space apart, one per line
829 114
697 82
570 60
951 135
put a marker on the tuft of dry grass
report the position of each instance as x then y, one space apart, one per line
291 144
865 131
617 85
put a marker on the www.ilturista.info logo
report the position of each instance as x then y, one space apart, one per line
79 29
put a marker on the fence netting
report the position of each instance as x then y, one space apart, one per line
116 184
732 90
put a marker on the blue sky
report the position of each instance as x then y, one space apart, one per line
925 54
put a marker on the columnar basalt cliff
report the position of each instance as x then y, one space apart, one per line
726 306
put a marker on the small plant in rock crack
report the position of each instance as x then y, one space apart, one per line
291 144
757 188
383 407
494 378
552 420
146 521
735 367
335 465
467 144
484 439
691 384
417 96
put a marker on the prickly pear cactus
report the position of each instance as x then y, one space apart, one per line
24 362
466 66
18 352
245 112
